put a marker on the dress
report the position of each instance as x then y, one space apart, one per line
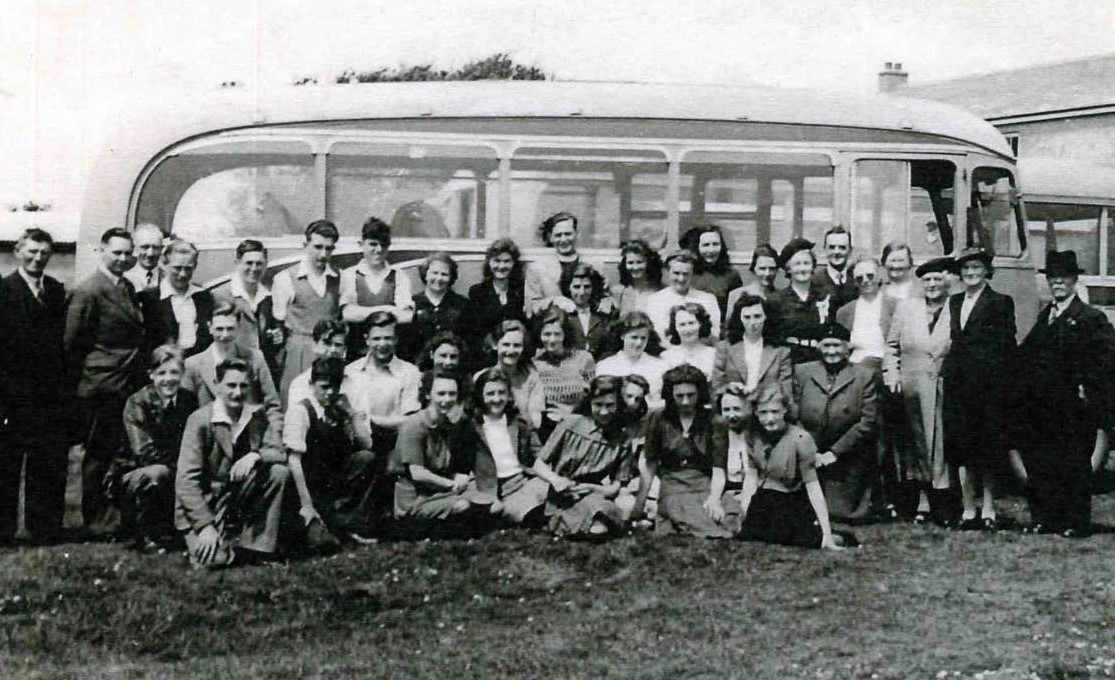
684 462
581 452
915 352
632 299
717 284
780 511
441 448
429 319
700 356
796 323
484 312
505 454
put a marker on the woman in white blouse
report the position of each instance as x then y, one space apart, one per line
639 343
690 327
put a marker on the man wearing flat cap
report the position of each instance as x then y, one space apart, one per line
837 406
1063 393
798 311
977 380
918 340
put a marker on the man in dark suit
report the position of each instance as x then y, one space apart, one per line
33 392
977 378
834 280
1063 396
177 311
104 342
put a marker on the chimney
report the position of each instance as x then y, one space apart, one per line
892 77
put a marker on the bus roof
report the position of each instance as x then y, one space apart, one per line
1057 178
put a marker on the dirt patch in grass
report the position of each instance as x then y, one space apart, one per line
915 602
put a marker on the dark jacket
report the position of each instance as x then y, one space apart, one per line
841 294
154 430
33 390
526 442
161 325
104 339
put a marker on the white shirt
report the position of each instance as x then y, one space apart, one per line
282 289
404 299
35 284
185 311
237 290
299 389
390 390
899 291
837 275
969 302
221 415
701 356
753 359
498 437
651 368
1059 308
660 303
296 424
142 278
737 453
867 331
585 317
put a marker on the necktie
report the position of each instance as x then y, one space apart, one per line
150 278
1054 311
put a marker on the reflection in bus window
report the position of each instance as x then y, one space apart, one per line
616 194
421 191
993 213
1064 226
757 197
232 190
908 201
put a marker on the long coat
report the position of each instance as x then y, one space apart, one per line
33 390
840 413
977 375
104 339
914 359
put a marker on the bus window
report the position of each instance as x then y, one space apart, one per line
616 194
422 191
1064 226
907 201
757 197
993 215
232 190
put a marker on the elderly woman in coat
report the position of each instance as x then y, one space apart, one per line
916 347
837 403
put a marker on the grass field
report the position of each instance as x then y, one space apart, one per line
914 602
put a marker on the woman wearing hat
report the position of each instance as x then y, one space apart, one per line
837 405
977 380
799 311
916 347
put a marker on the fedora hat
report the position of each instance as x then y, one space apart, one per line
938 264
974 253
1061 263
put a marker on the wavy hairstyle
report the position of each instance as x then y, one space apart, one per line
508 326
685 374
735 324
425 359
490 375
642 249
691 241
427 384
704 321
499 247
631 321
583 271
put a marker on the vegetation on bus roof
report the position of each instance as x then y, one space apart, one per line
498 66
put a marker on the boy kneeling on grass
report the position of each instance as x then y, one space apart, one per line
231 475
154 420
330 459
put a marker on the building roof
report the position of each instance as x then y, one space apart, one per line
1066 179
1066 86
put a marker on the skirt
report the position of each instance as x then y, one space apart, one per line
681 506
521 495
570 514
782 519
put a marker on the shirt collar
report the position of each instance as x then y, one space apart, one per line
392 367
237 290
837 274
221 415
1061 306
32 282
304 270
167 291
364 268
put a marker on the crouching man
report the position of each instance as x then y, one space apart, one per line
231 475
330 459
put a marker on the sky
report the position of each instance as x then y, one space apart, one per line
66 64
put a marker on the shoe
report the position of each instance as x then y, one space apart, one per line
319 540
921 518
1073 533
973 524
989 524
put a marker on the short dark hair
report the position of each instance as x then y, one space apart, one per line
704 321
599 386
583 271
552 221
499 247
632 321
763 250
735 324
35 235
115 232
641 248
685 374
488 375
733 389
381 318
836 229
442 257
551 315
328 368
324 229
164 353
232 364
426 356
250 245
224 308
509 326
691 241
375 229
328 328
427 384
